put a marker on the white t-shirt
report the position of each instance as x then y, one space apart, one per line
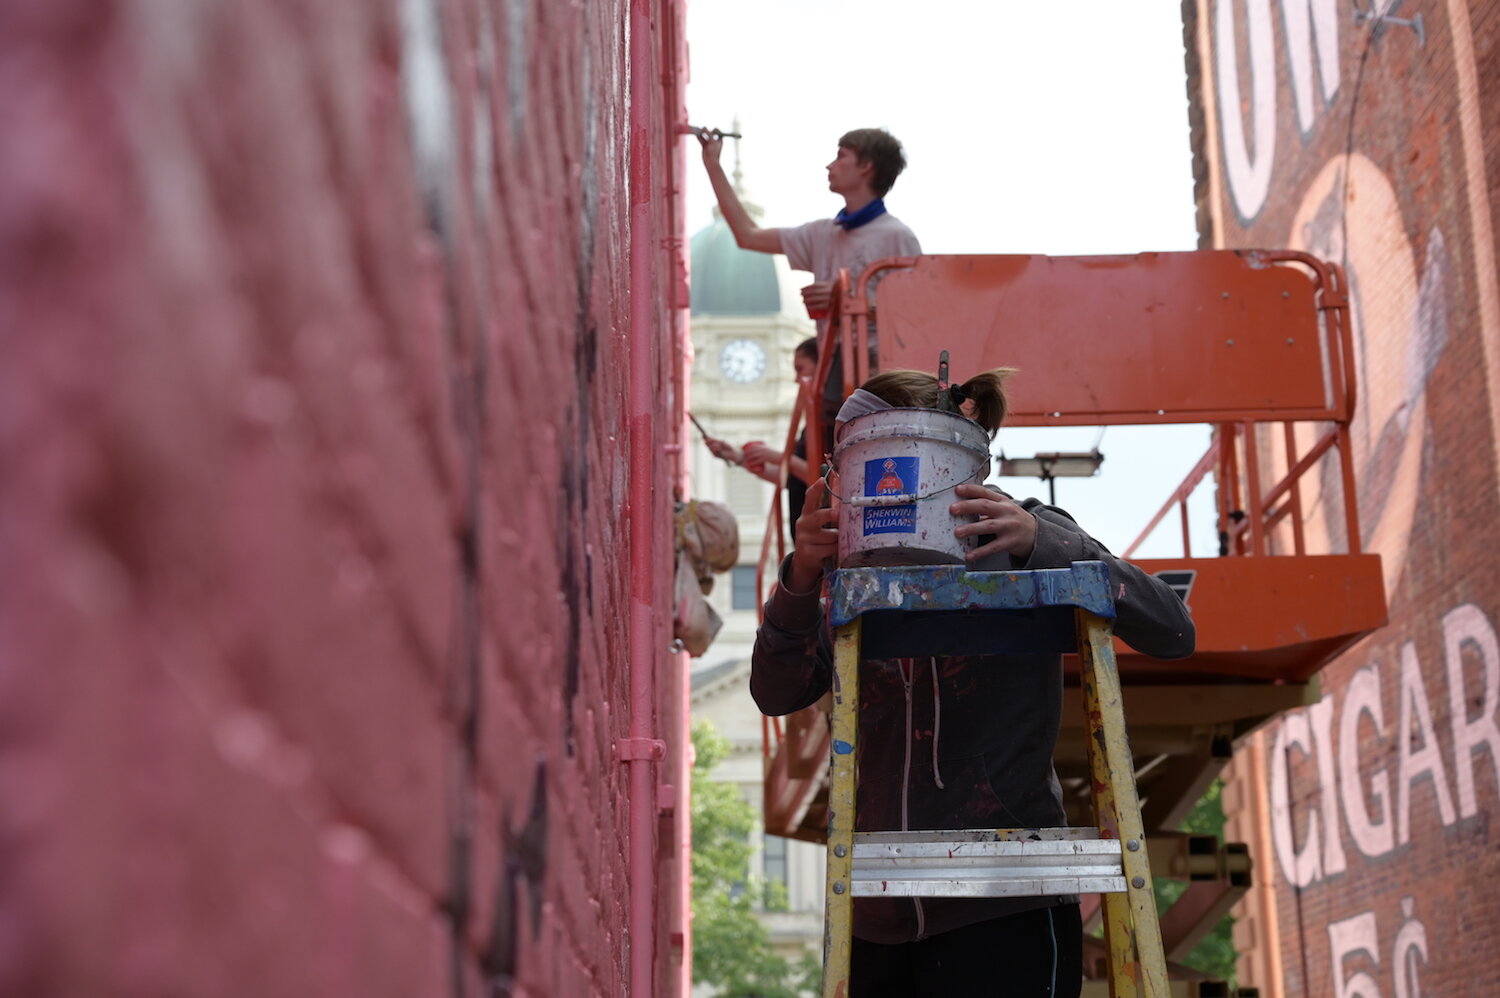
825 247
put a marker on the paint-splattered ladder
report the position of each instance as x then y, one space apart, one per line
900 612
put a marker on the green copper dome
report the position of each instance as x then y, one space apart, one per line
728 280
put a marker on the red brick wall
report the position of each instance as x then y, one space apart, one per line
315 344
1373 812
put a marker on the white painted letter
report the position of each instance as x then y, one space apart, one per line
1301 868
1307 21
1249 179
1352 937
1411 943
1412 764
1320 715
1469 624
1374 836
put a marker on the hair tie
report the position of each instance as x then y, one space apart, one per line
957 394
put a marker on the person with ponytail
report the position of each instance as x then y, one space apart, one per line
955 741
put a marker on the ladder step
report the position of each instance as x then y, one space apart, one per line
1071 833
1024 862
984 887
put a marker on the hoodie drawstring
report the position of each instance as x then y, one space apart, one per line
937 723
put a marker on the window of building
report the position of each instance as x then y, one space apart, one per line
742 591
775 853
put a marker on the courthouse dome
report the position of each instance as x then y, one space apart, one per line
728 280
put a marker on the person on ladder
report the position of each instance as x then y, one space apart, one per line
955 742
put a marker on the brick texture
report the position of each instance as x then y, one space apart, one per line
315 346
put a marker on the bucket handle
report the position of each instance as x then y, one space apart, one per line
897 500
905 498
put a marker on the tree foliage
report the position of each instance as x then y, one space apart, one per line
731 951
1215 955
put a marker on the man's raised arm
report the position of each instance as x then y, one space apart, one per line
747 234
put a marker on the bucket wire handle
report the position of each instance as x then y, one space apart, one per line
900 499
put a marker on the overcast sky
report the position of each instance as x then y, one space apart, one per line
1029 128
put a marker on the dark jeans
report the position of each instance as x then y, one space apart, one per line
1033 954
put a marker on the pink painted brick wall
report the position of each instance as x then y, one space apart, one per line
314 561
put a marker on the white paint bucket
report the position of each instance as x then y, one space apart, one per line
897 472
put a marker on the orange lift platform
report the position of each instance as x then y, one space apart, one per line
1256 344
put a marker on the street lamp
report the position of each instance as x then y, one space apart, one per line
1075 464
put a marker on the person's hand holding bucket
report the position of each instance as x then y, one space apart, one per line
817 538
1008 527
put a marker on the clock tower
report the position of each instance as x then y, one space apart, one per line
742 360
747 319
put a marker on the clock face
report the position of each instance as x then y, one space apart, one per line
742 361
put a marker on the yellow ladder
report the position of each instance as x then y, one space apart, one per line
898 611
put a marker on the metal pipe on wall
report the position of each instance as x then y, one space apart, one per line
641 860
676 108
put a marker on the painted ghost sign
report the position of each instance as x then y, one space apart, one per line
1357 133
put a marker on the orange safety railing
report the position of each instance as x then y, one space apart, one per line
1246 514
1242 341
807 409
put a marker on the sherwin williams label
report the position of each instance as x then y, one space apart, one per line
891 476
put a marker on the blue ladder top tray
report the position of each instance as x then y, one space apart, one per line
945 609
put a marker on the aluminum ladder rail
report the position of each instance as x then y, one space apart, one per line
903 612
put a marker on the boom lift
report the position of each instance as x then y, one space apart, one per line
1258 345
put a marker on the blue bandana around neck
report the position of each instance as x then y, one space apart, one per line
864 216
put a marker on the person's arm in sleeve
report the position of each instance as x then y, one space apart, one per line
1149 616
790 667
